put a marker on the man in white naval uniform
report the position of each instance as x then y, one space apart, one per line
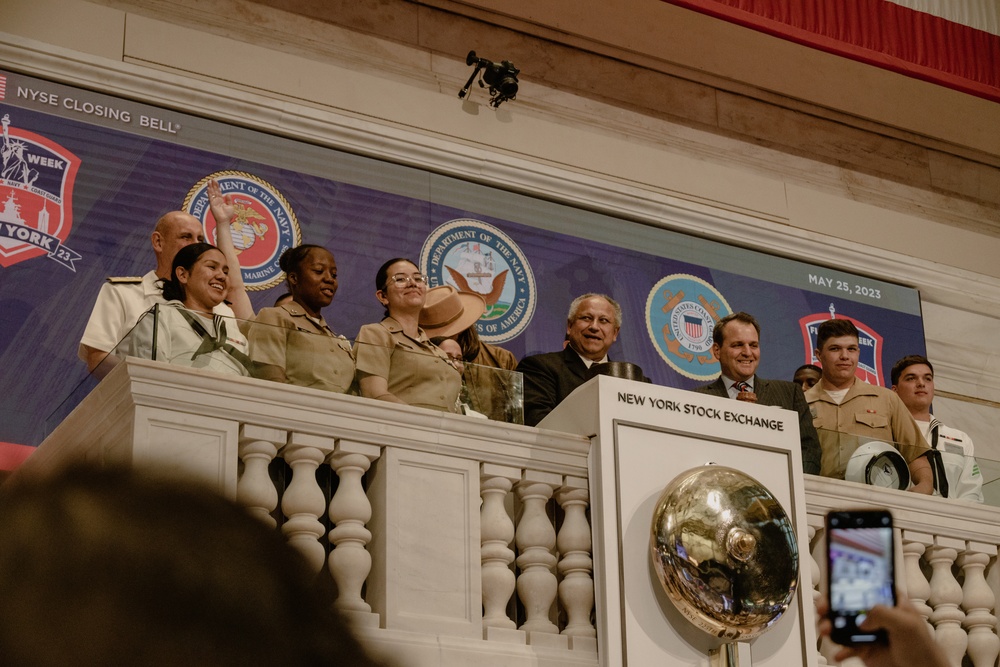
122 301
956 473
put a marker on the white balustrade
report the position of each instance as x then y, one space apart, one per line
917 587
254 489
350 510
576 590
946 596
472 461
536 538
977 602
497 530
816 533
993 582
303 501
937 540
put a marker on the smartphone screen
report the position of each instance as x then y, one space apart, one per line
860 571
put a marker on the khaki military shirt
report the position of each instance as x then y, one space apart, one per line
417 371
288 345
866 413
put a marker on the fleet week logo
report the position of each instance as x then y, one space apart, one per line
869 343
263 227
474 256
681 312
36 197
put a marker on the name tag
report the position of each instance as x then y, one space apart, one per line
951 448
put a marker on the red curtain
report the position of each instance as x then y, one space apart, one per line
877 32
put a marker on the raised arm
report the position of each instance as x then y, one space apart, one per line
223 211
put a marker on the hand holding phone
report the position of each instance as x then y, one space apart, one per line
909 642
860 571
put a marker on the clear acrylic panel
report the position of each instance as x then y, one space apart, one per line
293 355
881 462
435 380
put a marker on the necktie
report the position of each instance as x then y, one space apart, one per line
743 386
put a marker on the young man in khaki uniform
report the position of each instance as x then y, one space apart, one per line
841 403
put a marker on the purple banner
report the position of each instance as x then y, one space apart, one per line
528 258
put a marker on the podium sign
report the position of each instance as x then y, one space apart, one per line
642 437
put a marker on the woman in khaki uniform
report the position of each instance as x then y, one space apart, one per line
292 343
395 359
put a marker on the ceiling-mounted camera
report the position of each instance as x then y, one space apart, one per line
501 78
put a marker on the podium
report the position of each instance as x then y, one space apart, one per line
642 436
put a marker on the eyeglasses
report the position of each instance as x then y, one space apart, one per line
402 280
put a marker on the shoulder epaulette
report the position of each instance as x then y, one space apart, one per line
128 280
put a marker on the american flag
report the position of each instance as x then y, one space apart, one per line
692 325
3 86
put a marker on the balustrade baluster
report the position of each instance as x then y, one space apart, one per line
993 579
816 541
576 591
536 537
978 601
945 598
918 589
254 489
303 501
349 561
497 532
814 535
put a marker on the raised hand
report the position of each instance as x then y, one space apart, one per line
221 205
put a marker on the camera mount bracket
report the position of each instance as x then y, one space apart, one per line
501 79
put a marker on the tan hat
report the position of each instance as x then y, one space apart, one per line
447 311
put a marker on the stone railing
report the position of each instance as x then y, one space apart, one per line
946 562
451 539
456 540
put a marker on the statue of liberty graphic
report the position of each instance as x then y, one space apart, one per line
15 164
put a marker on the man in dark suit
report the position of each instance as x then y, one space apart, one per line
591 327
736 344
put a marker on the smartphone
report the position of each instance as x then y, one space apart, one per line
860 557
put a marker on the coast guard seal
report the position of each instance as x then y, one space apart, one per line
263 227
474 256
681 312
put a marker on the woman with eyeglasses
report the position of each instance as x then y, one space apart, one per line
292 343
394 359
184 331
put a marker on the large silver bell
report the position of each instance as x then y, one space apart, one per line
724 551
